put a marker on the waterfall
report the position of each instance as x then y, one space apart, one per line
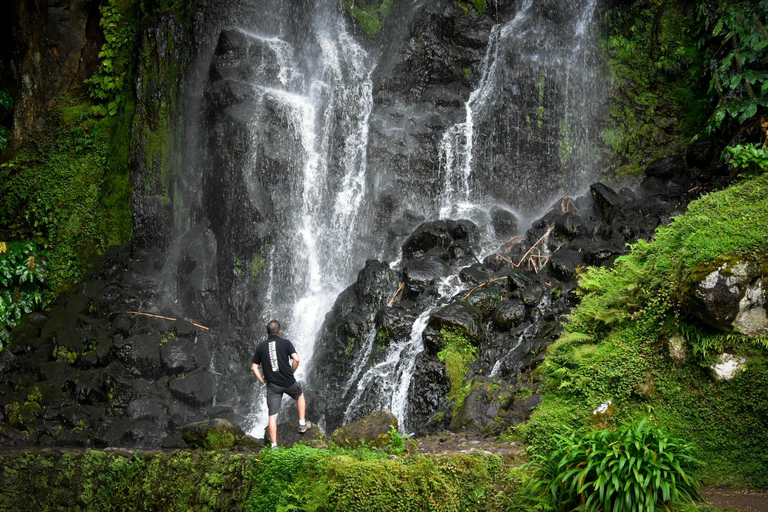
386 384
326 101
287 189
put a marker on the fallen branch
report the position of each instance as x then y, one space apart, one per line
139 313
499 255
399 290
483 284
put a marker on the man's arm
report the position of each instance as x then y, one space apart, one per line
257 372
295 362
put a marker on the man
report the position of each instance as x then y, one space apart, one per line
279 360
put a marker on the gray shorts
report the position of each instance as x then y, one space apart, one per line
275 396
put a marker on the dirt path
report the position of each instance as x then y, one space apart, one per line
449 443
729 499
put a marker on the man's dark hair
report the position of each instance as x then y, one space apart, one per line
273 327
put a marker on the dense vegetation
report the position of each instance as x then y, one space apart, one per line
615 344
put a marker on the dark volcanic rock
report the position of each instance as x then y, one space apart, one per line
421 273
607 202
458 317
456 237
666 168
480 410
503 222
197 388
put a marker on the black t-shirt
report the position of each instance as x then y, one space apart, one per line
274 356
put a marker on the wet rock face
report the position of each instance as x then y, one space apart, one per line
347 333
91 374
509 306
54 46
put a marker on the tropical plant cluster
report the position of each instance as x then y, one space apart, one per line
22 276
734 36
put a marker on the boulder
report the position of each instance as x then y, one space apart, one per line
421 273
752 318
727 366
730 296
507 314
459 317
570 225
503 222
427 393
607 203
217 434
486 400
457 237
196 388
677 349
563 263
701 153
373 430
666 168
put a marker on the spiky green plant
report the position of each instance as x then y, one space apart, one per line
634 468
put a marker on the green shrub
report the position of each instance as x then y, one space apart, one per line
734 34
22 273
634 468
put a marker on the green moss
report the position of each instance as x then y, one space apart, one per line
370 14
457 355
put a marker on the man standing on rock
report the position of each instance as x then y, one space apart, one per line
279 360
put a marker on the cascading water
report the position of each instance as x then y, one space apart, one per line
386 384
326 103
509 141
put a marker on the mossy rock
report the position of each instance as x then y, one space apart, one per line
217 434
373 430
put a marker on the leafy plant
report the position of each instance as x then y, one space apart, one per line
748 157
734 33
22 273
634 468
109 81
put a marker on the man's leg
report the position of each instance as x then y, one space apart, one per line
301 404
273 428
